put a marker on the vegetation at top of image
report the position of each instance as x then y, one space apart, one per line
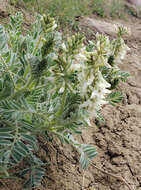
99 7
49 87
111 8
117 9
65 11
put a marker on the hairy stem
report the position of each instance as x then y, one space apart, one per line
37 45
63 101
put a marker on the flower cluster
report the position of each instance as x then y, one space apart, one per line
119 48
92 86
74 58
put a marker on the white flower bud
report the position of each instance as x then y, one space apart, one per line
61 90
54 26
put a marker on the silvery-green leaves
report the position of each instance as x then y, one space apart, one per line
87 154
114 97
16 22
36 174
48 85
3 40
13 147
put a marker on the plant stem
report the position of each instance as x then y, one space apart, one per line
37 45
83 181
5 172
63 100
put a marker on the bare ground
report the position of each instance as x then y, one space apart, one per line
118 140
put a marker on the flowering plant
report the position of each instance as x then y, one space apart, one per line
52 87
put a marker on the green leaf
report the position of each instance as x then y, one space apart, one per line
3 44
26 126
84 161
6 136
24 172
23 147
15 110
5 142
20 150
6 156
35 178
17 157
88 152
100 116
35 95
31 140
29 183
6 130
114 97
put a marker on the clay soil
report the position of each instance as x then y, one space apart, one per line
117 140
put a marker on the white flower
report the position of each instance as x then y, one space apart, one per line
80 57
75 66
54 26
95 93
85 104
64 47
88 122
83 89
61 90
90 80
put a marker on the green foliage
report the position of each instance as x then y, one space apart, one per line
114 76
111 8
68 9
13 2
114 97
99 7
64 11
16 2
117 8
47 85
87 154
